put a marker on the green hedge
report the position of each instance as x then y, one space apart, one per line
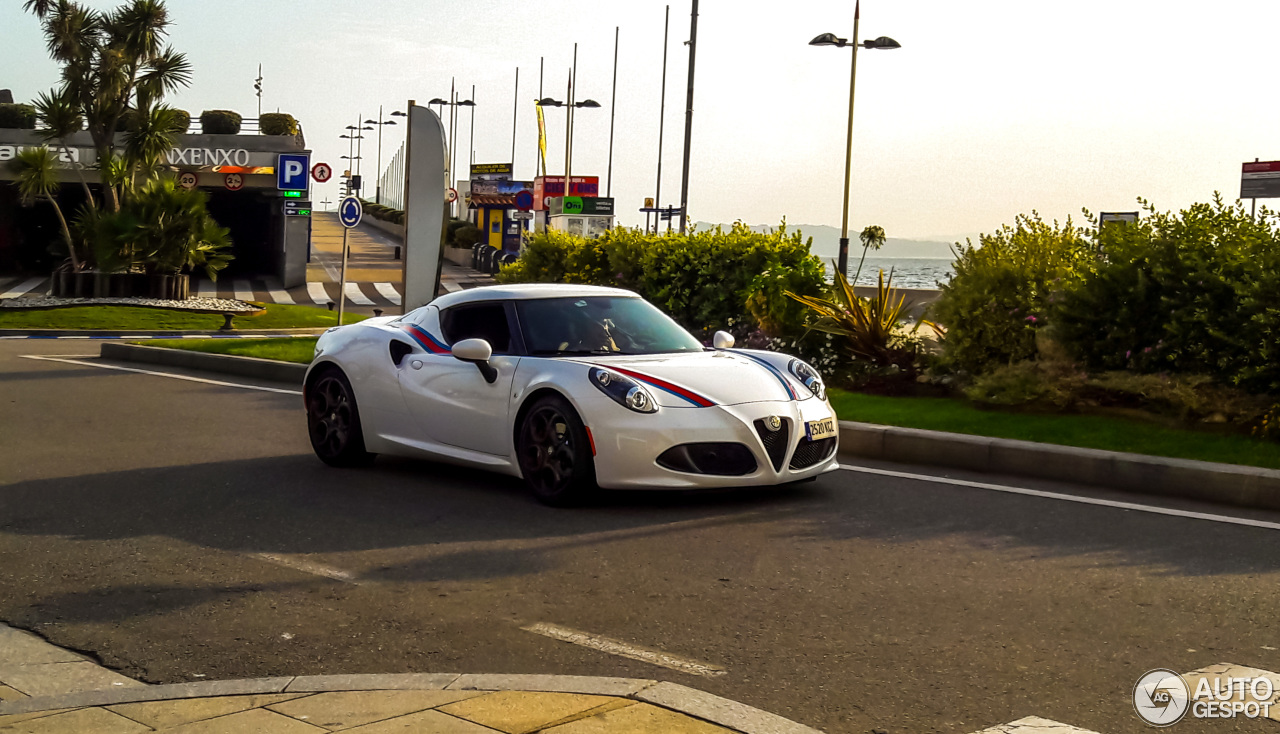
380 211
184 120
277 123
17 116
706 280
220 122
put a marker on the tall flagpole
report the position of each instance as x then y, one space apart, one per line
613 111
688 122
662 117
515 116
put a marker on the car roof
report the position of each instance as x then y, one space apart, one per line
525 291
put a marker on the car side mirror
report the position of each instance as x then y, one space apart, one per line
722 340
477 352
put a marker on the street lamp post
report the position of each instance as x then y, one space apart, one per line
377 196
830 39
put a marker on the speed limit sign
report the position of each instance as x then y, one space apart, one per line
234 181
451 195
187 180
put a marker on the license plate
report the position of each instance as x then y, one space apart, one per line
817 430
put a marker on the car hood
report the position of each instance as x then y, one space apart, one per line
701 379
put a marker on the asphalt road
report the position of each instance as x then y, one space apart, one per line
135 512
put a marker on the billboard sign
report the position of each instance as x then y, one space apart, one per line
500 188
492 171
547 187
1260 180
574 205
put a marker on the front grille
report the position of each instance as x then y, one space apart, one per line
720 459
775 442
809 453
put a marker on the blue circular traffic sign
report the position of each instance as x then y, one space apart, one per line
524 200
350 212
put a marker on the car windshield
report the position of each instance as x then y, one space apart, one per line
600 325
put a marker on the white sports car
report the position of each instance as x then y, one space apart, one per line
570 387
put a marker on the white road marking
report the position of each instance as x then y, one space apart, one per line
1035 725
318 293
1227 519
623 649
208 289
23 287
357 296
162 374
315 569
450 286
244 292
279 295
388 292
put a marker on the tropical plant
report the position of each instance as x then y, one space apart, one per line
112 61
1001 289
147 144
162 229
17 116
59 117
872 237
36 171
866 328
220 122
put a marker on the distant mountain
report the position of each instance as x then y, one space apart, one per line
826 242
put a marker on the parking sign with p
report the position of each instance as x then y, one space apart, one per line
292 172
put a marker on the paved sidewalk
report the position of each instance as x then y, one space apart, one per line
47 690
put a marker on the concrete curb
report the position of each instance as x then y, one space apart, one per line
262 369
1244 486
678 698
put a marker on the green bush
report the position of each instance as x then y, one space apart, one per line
705 280
1038 384
467 236
277 123
183 120
220 122
17 116
997 298
1193 292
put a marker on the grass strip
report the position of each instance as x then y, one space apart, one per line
137 318
287 349
1085 431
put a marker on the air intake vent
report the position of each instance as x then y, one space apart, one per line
809 453
775 442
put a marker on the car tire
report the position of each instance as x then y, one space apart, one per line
333 421
555 453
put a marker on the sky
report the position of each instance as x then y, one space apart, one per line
991 108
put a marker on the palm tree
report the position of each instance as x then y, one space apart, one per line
59 118
36 170
873 238
145 147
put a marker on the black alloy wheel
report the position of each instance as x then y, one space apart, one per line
555 453
333 421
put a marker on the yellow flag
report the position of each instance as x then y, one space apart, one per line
542 138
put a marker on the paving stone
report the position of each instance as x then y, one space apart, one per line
11 719
722 711
594 685
518 712
432 721
164 714
347 709
53 679
253 721
638 718
18 647
385 682
9 694
80 721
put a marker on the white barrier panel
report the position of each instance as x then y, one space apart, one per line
424 207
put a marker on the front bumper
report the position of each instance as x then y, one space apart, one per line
628 444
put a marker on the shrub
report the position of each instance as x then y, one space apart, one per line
703 279
467 236
182 119
220 122
865 328
999 293
1039 384
1193 292
17 116
277 123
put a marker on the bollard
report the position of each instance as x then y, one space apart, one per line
377 312
331 305
226 325
397 257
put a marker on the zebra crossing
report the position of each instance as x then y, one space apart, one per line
266 290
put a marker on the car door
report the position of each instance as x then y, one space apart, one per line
450 399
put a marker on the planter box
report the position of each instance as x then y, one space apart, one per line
120 285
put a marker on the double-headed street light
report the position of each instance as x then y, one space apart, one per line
377 196
568 127
455 104
830 39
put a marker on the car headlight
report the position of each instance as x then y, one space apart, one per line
624 390
808 377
